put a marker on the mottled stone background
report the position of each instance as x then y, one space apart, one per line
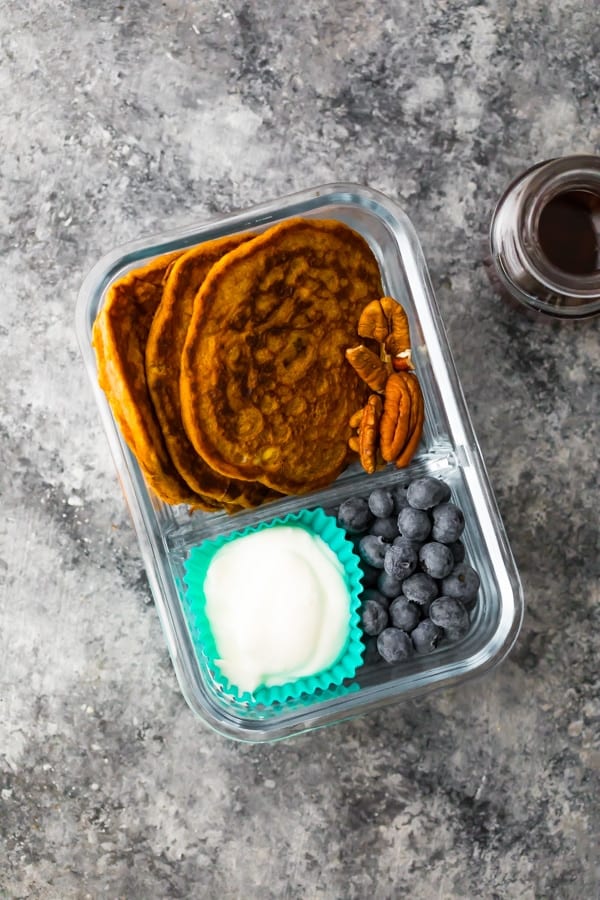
118 120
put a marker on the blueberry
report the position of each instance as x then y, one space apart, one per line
449 614
381 503
394 645
462 583
374 617
414 524
377 596
448 523
354 515
404 614
427 492
458 551
400 560
436 559
402 541
420 588
399 494
426 636
389 586
386 528
372 550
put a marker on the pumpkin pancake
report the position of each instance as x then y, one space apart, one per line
119 338
266 391
163 367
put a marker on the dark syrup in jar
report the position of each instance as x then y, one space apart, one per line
545 239
569 232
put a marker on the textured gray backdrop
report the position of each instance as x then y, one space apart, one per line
118 120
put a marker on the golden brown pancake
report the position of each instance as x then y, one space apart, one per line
119 338
266 391
163 366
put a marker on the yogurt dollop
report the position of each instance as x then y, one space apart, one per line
278 606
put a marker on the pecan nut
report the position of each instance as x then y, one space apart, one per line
398 339
385 321
373 322
368 433
417 419
395 419
368 366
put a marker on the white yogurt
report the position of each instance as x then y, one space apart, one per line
277 605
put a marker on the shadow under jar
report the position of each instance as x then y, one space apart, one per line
545 238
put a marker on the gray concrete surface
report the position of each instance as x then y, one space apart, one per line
119 120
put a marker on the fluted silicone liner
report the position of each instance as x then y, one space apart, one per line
318 523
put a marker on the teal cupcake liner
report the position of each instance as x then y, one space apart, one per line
317 522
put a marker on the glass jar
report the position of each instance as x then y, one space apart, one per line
545 238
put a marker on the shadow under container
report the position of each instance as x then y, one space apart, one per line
448 450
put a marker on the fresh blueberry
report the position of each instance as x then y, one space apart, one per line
420 588
426 636
372 550
462 583
377 596
458 551
389 586
400 560
354 515
436 559
399 494
448 523
374 617
394 645
381 503
414 524
402 541
404 614
386 528
449 614
427 492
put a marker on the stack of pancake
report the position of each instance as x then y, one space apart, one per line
225 368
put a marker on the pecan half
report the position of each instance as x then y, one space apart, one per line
417 419
368 365
395 419
373 322
398 340
385 320
368 433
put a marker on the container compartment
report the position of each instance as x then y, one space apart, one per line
448 450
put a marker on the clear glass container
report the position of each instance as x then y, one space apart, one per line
449 450
545 238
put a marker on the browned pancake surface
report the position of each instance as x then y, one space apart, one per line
119 337
163 366
266 391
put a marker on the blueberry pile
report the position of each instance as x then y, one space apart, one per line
418 588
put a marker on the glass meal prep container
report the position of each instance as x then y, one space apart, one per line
448 450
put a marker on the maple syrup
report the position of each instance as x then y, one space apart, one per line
545 238
569 232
